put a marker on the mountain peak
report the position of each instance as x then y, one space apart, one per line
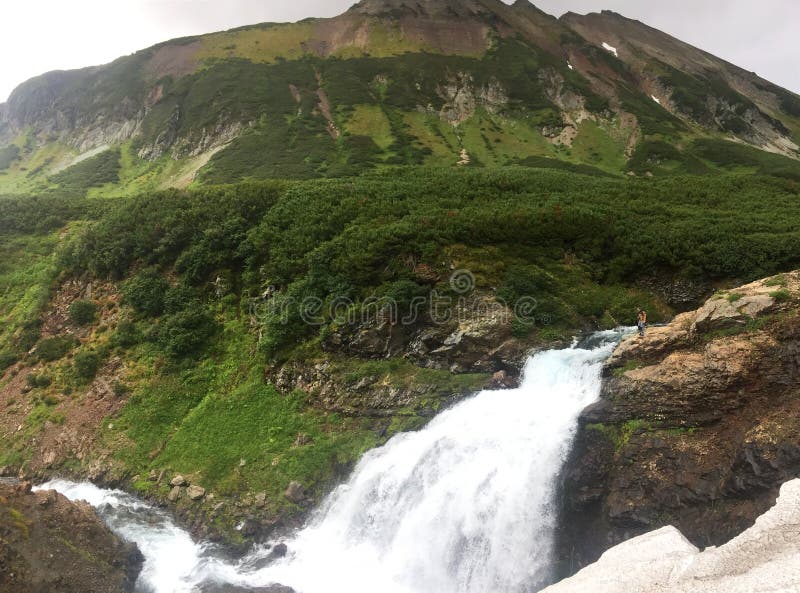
429 8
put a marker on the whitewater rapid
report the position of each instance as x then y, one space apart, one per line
466 505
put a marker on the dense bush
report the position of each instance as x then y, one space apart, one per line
83 312
7 359
185 333
40 381
126 335
51 349
8 154
34 214
86 364
145 292
93 172
360 237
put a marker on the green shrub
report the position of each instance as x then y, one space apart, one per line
779 280
781 296
83 312
41 380
127 335
145 292
185 333
179 298
8 154
94 172
120 389
86 364
52 349
7 359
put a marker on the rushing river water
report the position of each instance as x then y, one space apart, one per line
466 505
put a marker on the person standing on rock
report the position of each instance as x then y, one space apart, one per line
641 322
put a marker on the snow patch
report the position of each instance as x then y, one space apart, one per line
610 48
656 99
570 66
763 558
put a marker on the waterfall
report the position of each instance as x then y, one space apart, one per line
466 505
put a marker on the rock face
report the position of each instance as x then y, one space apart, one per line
698 426
478 342
764 558
48 543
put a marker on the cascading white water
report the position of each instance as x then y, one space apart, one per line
466 505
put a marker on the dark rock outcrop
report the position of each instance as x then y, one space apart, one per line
698 426
216 588
48 543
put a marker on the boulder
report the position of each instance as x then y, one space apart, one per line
178 480
48 543
195 492
295 493
174 494
260 500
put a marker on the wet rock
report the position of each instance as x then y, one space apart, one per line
220 588
295 493
502 380
278 551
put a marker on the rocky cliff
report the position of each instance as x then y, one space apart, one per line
698 426
48 544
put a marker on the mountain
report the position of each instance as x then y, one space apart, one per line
397 82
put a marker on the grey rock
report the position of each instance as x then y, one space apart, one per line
179 480
295 493
196 492
174 494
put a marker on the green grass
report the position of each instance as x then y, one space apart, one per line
779 280
781 296
27 270
631 365
620 435
370 120
595 147
202 420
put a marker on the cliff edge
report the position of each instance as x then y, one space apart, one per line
698 426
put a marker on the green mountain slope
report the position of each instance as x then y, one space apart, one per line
394 82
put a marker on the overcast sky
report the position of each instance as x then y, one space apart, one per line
41 35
